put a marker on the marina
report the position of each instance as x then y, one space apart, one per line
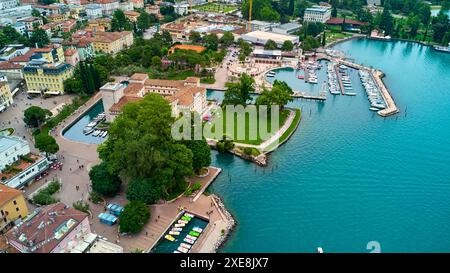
182 235
86 128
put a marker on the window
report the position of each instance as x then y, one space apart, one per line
17 209
15 202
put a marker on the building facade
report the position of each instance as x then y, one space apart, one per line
54 228
317 14
8 4
6 99
108 6
112 42
94 11
13 207
185 95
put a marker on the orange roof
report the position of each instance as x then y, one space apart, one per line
139 76
185 96
122 102
196 48
131 13
70 52
7 194
133 89
9 65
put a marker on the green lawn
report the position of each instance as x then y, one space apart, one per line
250 131
334 36
213 7
291 128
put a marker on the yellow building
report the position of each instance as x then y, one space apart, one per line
12 207
46 72
112 42
56 18
43 78
6 98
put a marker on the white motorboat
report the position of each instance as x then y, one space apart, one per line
190 241
191 237
180 225
319 250
188 246
197 229
189 214
182 249
174 232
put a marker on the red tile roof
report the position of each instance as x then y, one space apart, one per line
40 230
339 21
9 65
7 194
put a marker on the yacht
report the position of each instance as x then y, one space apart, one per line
442 48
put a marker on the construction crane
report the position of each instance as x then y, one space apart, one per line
249 26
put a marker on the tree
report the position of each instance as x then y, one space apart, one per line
134 216
156 62
34 116
195 37
145 190
211 41
224 145
270 45
310 43
39 38
144 21
440 26
103 182
324 38
334 8
46 143
120 22
35 13
201 153
140 145
239 93
227 38
280 95
387 21
287 46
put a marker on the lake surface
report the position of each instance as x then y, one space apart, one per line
348 176
75 131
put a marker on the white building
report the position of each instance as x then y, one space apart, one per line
12 15
8 4
181 9
126 6
374 2
317 14
11 149
261 38
288 28
94 11
108 6
20 27
262 25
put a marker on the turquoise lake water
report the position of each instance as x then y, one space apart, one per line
348 176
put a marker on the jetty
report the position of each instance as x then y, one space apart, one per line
304 95
341 86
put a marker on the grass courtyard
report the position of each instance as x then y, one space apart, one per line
245 128
215 7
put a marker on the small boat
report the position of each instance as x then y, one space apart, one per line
319 250
182 221
373 109
180 225
105 134
177 229
169 237
182 249
270 75
176 251
174 232
197 229
189 215
191 237
186 245
190 241
194 233
301 77
88 130
184 217
350 94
